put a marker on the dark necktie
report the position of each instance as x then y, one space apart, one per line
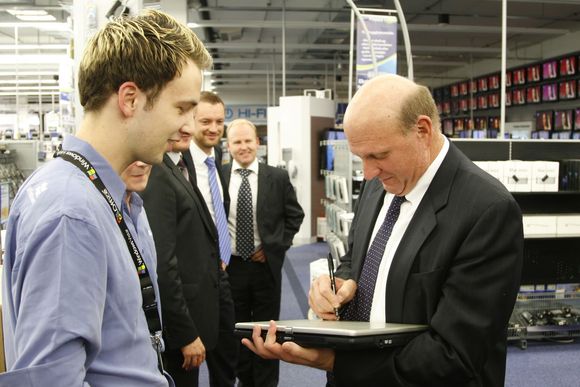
359 309
183 168
221 221
244 217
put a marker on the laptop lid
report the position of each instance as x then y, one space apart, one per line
337 334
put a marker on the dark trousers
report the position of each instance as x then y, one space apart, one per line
221 360
172 360
256 298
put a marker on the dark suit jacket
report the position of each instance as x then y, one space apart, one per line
278 214
188 257
456 269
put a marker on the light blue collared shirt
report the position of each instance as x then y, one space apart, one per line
71 297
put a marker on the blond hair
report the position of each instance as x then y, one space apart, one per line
241 121
150 49
418 102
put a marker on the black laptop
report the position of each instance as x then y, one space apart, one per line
336 334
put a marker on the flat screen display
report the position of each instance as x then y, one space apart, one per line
493 123
549 70
463 88
567 90
493 100
577 119
563 119
549 93
469 123
493 82
454 90
446 107
544 120
473 103
458 124
533 73
481 122
518 97
473 86
508 78
482 102
482 84
568 66
519 77
533 94
448 127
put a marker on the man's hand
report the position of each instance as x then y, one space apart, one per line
193 354
259 256
290 352
322 299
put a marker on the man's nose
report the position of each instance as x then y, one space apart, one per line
370 169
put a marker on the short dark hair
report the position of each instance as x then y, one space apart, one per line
211 98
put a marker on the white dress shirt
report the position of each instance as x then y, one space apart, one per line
202 175
408 209
234 187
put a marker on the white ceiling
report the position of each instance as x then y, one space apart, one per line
245 38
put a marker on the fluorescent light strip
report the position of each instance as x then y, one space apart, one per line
27 12
13 94
24 59
43 18
27 73
33 47
30 89
28 81
40 26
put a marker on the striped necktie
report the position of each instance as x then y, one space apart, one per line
221 221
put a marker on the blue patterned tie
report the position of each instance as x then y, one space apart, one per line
244 218
359 309
221 221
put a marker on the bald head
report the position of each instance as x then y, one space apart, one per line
392 124
392 97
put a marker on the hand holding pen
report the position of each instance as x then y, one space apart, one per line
332 281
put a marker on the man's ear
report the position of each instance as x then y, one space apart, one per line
424 125
129 96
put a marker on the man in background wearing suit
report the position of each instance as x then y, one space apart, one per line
442 241
203 160
264 216
187 247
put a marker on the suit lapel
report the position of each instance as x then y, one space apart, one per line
192 189
366 220
190 167
422 224
263 185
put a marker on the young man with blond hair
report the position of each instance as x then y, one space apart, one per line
73 297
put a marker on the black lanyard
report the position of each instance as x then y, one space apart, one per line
147 291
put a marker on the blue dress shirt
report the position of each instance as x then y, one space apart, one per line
71 299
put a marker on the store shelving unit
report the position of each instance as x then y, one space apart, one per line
551 268
543 93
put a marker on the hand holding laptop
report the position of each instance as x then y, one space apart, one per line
322 358
323 300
